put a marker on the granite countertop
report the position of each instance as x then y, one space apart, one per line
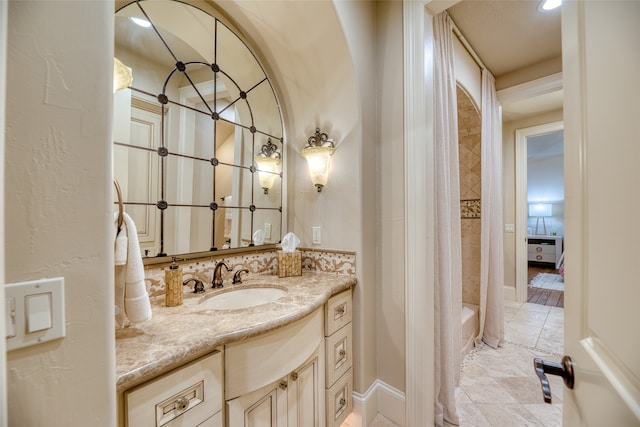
177 335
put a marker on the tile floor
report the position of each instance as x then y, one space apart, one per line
499 388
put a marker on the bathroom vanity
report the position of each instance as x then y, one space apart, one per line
283 362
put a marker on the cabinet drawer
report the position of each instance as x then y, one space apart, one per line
339 354
215 421
190 395
542 257
542 249
339 401
338 312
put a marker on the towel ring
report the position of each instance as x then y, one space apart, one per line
120 204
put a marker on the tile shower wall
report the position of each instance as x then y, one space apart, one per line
259 262
470 190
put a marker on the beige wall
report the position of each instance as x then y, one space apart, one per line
509 185
57 205
390 271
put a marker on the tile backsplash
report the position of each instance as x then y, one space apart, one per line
260 262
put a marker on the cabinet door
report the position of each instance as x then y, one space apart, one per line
306 396
266 407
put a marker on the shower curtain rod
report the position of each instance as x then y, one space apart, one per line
466 45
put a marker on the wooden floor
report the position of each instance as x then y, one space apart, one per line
543 296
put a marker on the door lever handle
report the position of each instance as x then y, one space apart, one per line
563 369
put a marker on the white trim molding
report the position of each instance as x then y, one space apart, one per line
379 398
521 202
541 86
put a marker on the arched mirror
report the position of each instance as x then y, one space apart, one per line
198 135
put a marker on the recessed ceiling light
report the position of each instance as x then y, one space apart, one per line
547 5
139 21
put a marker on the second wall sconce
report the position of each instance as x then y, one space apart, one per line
267 162
122 76
318 152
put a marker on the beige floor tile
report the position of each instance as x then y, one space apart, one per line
485 390
470 416
548 415
381 421
509 416
500 387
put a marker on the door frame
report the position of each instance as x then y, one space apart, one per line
521 201
4 11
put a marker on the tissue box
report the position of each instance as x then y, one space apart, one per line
289 264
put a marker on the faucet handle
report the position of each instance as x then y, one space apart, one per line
237 279
198 286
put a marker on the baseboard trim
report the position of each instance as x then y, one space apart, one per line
509 293
379 398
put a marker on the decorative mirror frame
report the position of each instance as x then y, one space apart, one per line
162 153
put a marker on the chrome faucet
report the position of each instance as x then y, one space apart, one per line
217 274
237 279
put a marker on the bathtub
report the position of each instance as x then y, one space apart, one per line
469 326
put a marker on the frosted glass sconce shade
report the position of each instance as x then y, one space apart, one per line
267 165
122 77
318 152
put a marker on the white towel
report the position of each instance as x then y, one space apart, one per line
121 242
132 299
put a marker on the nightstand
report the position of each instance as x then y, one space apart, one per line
546 249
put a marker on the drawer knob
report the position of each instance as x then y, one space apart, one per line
182 404
538 257
342 353
340 311
539 249
343 402
283 385
294 376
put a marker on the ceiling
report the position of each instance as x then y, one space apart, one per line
519 45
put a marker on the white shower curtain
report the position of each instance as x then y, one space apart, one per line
491 244
448 256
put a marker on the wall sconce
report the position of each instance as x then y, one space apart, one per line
318 152
122 77
540 210
267 162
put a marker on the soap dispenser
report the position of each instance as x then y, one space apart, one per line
173 284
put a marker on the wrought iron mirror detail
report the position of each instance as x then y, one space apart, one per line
190 130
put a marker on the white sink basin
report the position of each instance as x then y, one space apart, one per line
242 298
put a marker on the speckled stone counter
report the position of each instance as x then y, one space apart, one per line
178 335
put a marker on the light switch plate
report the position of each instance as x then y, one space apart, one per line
316 237
38 312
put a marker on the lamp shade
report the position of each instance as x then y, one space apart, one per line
540 209
267 171
319 162
122 77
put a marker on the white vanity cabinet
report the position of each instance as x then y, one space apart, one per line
339 358
277 379
291 401
188 396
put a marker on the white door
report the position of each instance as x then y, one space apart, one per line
266 407
601 67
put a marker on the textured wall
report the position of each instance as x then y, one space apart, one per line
57 205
